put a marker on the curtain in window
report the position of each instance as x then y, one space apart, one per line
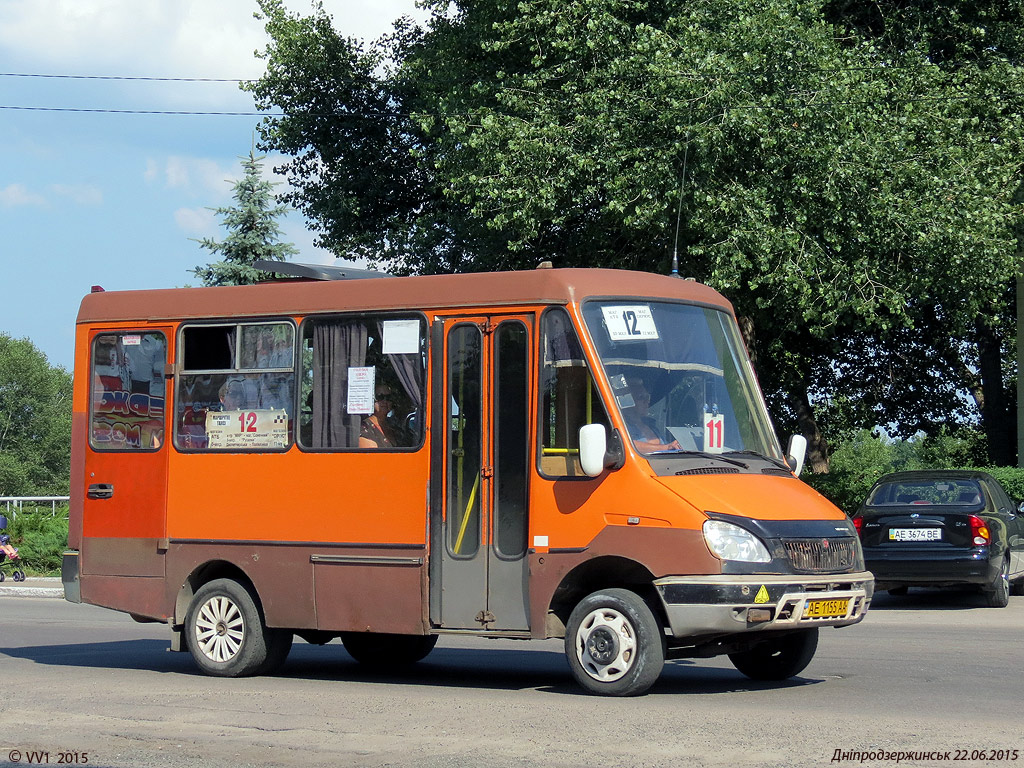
337 347
409 370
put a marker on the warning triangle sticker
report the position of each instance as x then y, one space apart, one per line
762 595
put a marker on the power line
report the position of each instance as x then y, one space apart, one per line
192 113
126 77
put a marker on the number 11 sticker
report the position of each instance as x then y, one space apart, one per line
714 433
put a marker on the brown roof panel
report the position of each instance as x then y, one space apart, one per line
474 289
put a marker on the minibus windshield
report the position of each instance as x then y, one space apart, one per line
681 378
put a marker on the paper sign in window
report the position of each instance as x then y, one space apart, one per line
360 389
264 428
401 337
714 433
632 322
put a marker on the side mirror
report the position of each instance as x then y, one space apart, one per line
3 522
796 453
595 455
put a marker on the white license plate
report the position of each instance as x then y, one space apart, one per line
915 534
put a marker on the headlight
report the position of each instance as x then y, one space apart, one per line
730 542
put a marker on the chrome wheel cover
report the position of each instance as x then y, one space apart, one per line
220 629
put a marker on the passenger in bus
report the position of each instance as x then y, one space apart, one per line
642 428
376 430
232 395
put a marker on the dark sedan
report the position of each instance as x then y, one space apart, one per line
936 528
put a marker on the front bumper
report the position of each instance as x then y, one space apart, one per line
704 606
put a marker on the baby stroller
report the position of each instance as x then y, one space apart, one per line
7 552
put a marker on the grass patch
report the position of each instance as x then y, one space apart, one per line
40 538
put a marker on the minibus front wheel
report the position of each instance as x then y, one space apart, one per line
615 644
226 634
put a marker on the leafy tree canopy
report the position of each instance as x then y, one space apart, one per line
850 171
35 421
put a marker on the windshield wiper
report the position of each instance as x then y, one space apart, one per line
758 454
717 456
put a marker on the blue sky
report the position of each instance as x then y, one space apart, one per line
113 199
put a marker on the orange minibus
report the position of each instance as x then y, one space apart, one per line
558 453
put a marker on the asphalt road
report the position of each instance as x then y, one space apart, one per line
931 672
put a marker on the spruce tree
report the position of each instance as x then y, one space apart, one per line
253 231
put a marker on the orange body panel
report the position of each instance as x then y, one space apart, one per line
299 497
765 497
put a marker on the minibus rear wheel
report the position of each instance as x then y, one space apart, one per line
778 658
226 633
378 649
615 643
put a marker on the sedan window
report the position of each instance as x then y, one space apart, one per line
923 491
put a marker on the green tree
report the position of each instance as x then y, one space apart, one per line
35 421
851 190
253 231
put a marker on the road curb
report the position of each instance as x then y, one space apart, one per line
31 588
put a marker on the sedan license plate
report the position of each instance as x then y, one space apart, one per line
826 609
915 534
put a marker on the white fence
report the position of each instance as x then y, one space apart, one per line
13 505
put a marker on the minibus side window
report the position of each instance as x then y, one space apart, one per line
127 412
236 389
569 397
362 383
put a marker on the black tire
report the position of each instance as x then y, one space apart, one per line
226 634
1017 587
615 644
2 577
778 658
377 649
998 593
899 591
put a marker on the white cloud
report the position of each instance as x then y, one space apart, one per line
83 194
166 38
196 222
18 194
198 176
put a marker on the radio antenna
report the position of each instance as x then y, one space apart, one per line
679 212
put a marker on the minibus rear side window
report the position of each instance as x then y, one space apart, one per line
236 389
569 397
127 412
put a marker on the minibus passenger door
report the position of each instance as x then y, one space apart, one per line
125 491
485 418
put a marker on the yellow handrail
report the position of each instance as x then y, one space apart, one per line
465 517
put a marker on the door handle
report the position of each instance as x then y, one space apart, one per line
100 491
